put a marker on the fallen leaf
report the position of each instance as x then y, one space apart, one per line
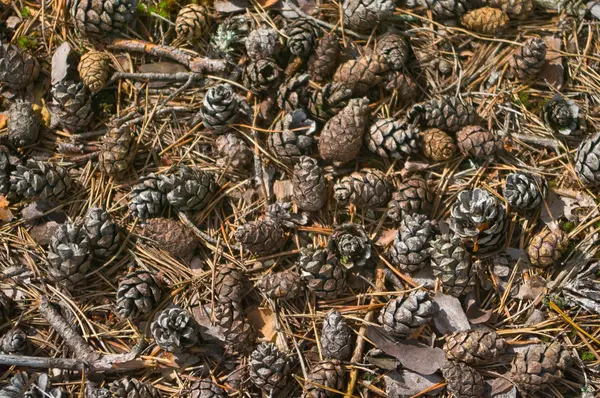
229 6
13 22
378 358
594 7
450 317
207 329
267 3
532 288
424 277
554 210
475 314
60 62
263 321
553 71
405 383
412 165
5 213
36 209
283 190
3 120
387 237
41 234
413 355
500 386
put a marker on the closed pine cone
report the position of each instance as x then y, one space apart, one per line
403 315
170 236
229 283
132 388
448 113
394 48
410 251
206 389
485 20
516 9
547 247
362 74
231 318
393 138
269 367
17 68
528 60
309 185
118 150
93 69
23 124
365 14
261 236
477 142
330 100
413 196
326 279
232 150
474 346
327 373
538 366
368 188
463 380
323 61
438 146
451 263
336 336
284 285
192 22
139 293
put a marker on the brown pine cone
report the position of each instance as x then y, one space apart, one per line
402 84
233 151
528 60
336 336
293 93
261 236
330 100
474 346
229 283
93 69
262 43
324 60
118 150
284 285
302 34
413 196
478 143
547 247
192 22
262 75
393 138
516 9
292 137
367 188
341 138
394 49
231 318
329 374
325 279
202 389
309 185
17 68
170 236
438 146
448 113
362 74
366 14
538 366
463 380
485 20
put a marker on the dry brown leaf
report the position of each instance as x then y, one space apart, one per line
263 321
228 6
404 383
387 237
451 317
267 3
5 214
553 71
283 190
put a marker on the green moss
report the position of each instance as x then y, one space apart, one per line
587 356
556 299
141 9
25 12
567 226
27 43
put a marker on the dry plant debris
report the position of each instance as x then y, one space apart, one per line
282 198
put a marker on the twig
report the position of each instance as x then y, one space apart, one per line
166 77
181 89
41 362
546 142
203 235
195 64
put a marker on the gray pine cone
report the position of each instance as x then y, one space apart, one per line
393 138
463 381
148 197
269 367
394 48
233 151
138 294
23 386
561 114
293 137
262 75
587 160
93 392
72 105
102 18
129 387
449 114
412 197
368 188
330 100
525 191
474 346
410 251
293 93
402 315
365 14
17 69
324 278
446 9
220 107
69 254
302 36
478 217
309 185
15 342
102 231
451 263
41 180
205 388
174 330
231 318
329 374
350 245
23 124
262 43
4 173
190 189
336 336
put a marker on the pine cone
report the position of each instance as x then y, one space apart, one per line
525 191
403 315
325 279
174 330
269 367
93 68
23 386
139 293
516 9
171 236
69 254
231 318
486 20
14 342
102 232
293 137
412 197
451 263
93 392
336 337
393 138
293 93
403 85
262 75
323 62
309 185
587 160
190 189
326 373
479 218
448 114
72 105
547 247
410 251
528 60
446 9
561 115
118 150
350 245
148 198
302 36
206 389
474 346
102 18
23 124
220 107
341 137
7 308
330 100
463 381
438 146
233 151
229 283
477 142
4 173
538 366
192 22
394 49
129 387
41 180
362 74
284 285
365 14
17 69
261 236
368 188
262 43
